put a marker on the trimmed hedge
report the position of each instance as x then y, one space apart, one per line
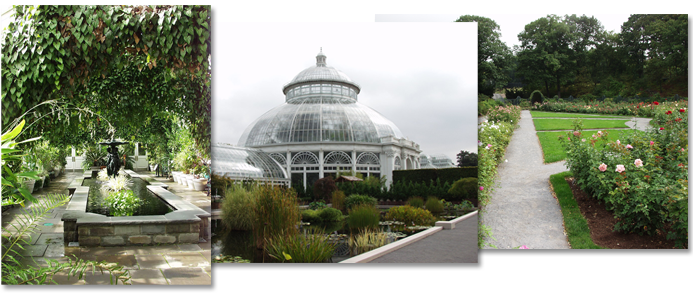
426 175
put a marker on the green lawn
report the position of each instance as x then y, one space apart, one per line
538 114
553 149
567 124
575 224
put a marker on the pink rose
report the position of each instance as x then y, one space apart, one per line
628 146
620 168
651 142
481 188
638 163
618 142
602 167
683 150
594 136
599 133
583 140
576 133
524 247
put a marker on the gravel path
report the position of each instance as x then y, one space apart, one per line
522 210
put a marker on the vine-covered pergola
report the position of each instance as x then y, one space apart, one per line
136 67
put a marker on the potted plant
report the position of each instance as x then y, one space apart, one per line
199 180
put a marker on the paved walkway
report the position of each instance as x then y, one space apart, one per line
522 210
188 264
458 245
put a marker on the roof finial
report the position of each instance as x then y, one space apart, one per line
321 58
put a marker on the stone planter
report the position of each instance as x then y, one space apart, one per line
189 178
29 184
182 179
174 174
199 184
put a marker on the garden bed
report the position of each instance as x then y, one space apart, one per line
601 223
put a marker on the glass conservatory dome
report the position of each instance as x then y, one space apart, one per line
321 106
241 163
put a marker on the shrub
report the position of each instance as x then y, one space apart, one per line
330 215
417 202
410 215
363 216
465 188
509 114
354 200
238 208
122 203
308 248
323 188
310 216
428 175
276 214
642 178
317 205
338 200
536 97
434 205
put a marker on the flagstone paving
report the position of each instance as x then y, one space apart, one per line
187 264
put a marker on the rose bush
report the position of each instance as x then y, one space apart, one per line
639 109
647 191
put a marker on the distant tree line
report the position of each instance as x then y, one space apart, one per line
574 56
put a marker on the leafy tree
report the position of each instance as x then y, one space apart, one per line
494 57
546 51
465 158
323 188
657 48
134 66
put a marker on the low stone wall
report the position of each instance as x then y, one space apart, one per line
138 234
187 224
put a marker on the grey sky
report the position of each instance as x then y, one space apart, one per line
510 24
422 77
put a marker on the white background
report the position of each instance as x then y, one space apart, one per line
498 272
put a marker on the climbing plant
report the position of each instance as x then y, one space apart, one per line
132 65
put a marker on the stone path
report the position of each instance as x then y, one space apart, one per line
186 264
458 245
522 210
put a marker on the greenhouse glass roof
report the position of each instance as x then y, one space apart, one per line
242 163
321 106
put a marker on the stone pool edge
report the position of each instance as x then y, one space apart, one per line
187 224
389 248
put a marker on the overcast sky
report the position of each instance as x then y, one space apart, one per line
422 77
510 24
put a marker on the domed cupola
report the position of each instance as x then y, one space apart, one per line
321 79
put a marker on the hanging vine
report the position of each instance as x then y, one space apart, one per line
153 58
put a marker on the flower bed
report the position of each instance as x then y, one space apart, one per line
642 178
638 109
494 137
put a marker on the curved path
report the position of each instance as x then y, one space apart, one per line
522 210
